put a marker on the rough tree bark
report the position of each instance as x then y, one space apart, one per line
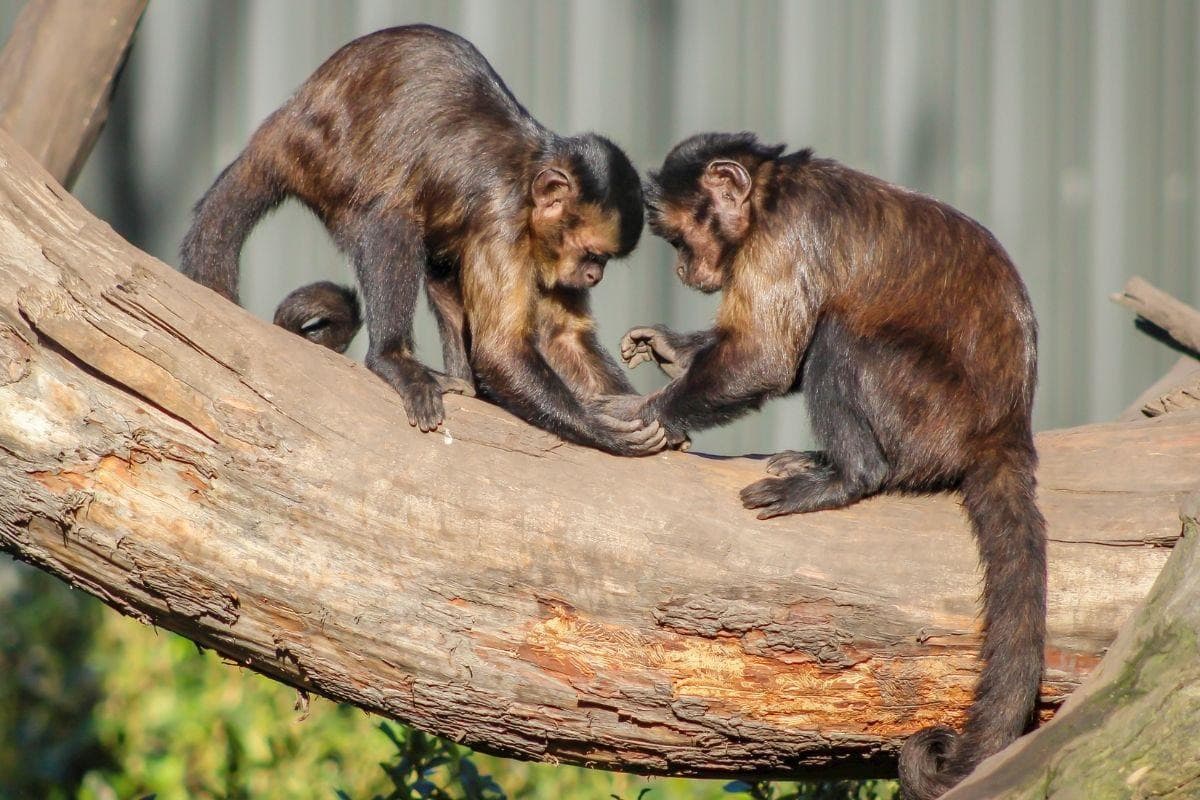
57 72
199 469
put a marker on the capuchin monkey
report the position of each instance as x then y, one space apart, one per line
914 341
421 163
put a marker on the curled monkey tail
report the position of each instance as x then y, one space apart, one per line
321 312
998 496
224 217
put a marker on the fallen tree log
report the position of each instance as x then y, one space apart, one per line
208 473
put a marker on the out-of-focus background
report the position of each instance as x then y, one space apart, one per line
1068 127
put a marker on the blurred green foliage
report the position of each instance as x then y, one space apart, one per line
99 707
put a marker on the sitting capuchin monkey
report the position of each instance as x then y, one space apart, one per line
913 339
423 166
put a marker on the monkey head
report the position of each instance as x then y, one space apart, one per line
701 202
321 312
586 208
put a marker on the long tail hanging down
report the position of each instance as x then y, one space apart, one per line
998 495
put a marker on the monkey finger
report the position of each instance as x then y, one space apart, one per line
653 443
635 349
645 432
620 425
638 358
637 338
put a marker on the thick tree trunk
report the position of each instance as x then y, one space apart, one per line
1131 731
207 472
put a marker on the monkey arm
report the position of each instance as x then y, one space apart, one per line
518 377
729 375
502 306
585 366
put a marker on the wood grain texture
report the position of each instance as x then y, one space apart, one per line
57 72
202 470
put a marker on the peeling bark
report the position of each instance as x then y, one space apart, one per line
199 469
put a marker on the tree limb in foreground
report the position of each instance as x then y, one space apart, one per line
209 473
1131 731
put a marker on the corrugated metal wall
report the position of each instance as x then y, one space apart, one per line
1068 127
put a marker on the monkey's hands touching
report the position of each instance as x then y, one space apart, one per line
671 351
633 407
629 437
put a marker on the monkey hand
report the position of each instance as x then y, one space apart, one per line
652 343
633 407
418 386
630 437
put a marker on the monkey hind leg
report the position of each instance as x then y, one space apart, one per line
852 464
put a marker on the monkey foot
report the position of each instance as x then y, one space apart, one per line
816 489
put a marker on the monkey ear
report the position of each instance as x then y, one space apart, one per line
727 178
551 189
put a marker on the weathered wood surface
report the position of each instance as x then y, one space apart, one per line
57 72
204 471
1131 731
1178 390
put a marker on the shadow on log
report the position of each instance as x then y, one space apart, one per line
207 472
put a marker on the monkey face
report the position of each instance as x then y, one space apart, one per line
573 240
700 258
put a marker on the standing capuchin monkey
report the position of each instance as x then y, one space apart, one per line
420 162
914 341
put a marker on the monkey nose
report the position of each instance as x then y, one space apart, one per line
593 275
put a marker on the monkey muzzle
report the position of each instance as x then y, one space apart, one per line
593 274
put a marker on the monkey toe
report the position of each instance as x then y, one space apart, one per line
774 497
794 462
423 405
763 493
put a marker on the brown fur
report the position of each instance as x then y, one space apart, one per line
914 340
421 163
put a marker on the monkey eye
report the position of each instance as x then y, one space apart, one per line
600 259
